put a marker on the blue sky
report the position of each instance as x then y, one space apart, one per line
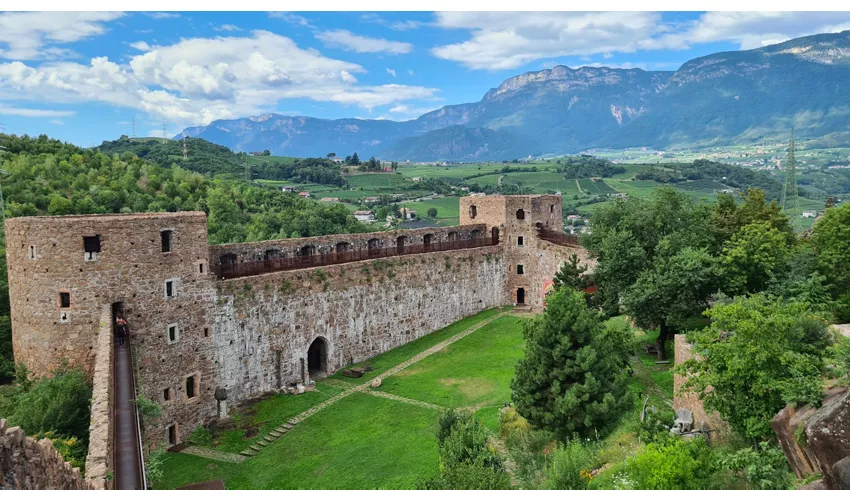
84 77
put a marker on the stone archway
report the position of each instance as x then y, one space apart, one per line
317 359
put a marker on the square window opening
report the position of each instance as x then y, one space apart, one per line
166 394
64 300
520 241
520 214
519 269
91 247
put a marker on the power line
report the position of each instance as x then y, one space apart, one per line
790 193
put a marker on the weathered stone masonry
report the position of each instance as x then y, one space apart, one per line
194 332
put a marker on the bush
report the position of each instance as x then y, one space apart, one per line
764 468
467 461
147 408
570 469
510 421
59 404
467 477
528 451
154 465
201 436
72 449
677 465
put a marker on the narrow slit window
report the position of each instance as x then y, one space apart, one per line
173 334
165 237
206 331
519 241
166 394
170 289
31 253
190 387
64 300
201 268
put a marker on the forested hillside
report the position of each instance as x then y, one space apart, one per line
208 158
48 177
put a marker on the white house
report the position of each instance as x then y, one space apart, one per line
810 213
364 215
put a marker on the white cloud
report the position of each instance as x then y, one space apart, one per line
57 122
162 15
292 18
507 40
228 27
30 35
407 112
33 113
393 25
357 43
391 71
198 80
141 45
410 72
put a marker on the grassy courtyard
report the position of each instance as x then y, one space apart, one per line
367 439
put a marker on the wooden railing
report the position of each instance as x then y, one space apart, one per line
239 269
558 238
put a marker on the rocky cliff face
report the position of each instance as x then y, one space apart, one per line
724 98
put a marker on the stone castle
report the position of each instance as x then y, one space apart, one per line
238 320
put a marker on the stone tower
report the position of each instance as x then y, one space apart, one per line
66 273
517 221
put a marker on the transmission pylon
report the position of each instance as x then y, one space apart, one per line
790 194
164 131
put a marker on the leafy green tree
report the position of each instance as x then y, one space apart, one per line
432 213
627 237
59 403
729 217
831 240
355 160
755 255
674 290
570 380
759 354
266 152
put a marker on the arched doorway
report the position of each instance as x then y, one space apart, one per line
399 244
495 235
520 296
428 240
317 359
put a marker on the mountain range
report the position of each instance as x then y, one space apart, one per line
736 97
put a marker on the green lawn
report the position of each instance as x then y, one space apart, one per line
474 371
362 442
268 414
387 360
